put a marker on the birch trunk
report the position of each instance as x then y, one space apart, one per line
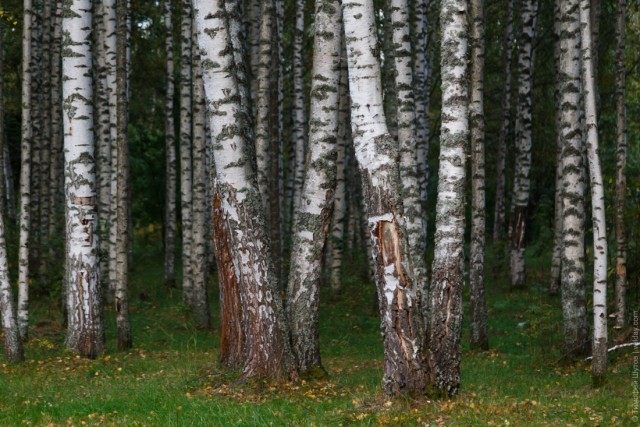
186 165
599 363
522 181
267 351
298 127
56 125
85 334
12 342
422 98
123 323
445 328
576 329
621 162
25 174
376 153
45 155
390 95
313 216
499 212
199 301
3 191
479 326
171 216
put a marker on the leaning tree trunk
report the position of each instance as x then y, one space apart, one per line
574 305
313 215
621 177
12 342
445 326
171 216
267 351
85 333
376 153
186 119
25 173
522 182
597 202
499 214
416 225
123 323
479 327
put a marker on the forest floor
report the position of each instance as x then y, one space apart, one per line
171 377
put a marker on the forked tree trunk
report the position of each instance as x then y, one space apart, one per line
479 326
499 214
267 351
171 216
313 215
522 181
25 174
445 328
599 364
376 153
621 162
85 333
574 305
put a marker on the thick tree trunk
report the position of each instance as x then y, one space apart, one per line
574 306
621 162
313 216
445 326
171 216
267 350
123 323
186 165
479 326
522 181
25 174
85 334
376 153
597 200
499 212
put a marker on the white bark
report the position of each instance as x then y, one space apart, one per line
171 217
445 327
12 342
298 132
85 333
556 254
597 202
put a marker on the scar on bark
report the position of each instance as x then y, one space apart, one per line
389 238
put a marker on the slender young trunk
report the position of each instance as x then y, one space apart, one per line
390 94
85 334
36 139
621 162
298 127
338 235
56 127
123 323
171 216
556 255
12 342
376 154
599 364
9 184
479 327
445 328
199 301
25 174
186 119
499 211
574 306
422 98
45 155
313 216
267 351
3 191
276 144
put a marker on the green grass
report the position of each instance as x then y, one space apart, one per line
171 377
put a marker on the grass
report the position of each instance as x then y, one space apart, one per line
171 377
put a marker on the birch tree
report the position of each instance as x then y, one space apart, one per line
499 211
599 365
313 215
574 309
522 181
445 310
298 133
85 333
621 162
25 173
479 326
56 123
376 151
171 216
267 349
12 342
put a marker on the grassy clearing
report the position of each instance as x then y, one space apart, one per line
171 377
